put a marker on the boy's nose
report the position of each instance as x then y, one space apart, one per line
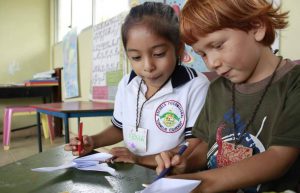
213 62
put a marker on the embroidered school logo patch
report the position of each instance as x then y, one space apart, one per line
169 116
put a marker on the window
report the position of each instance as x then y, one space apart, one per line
71 14
84 13
64 18
105 9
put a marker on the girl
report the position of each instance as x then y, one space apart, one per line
157 104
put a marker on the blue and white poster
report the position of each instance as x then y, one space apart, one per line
70 64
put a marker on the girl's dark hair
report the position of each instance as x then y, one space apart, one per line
160 19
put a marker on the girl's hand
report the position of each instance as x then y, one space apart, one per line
168 159
122 154
88 145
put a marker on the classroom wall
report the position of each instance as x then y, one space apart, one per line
24 47
91 125
24 37
289 37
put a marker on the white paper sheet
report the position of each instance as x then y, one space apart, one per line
91 162
168 185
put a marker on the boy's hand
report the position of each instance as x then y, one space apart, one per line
88 145
122 154
168 159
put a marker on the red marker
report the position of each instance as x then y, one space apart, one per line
80 147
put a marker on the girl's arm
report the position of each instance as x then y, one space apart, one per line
257 169
122 154
111 135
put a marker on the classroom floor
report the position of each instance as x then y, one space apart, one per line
23 144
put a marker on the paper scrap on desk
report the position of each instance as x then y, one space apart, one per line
168 185
88 163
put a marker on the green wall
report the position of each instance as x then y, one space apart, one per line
91 125
24 46
289 37
24 37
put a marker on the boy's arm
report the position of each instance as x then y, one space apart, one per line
195 160
149 161
257 169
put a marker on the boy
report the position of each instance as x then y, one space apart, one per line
249 123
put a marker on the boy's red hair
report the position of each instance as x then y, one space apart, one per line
200 17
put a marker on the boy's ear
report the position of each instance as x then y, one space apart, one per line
258 30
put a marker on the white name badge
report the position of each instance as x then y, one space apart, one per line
136 140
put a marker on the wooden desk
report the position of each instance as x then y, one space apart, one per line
18 177
45 92
53 93
66 110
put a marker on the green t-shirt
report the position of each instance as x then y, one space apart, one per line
276 122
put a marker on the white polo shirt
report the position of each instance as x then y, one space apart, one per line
169 115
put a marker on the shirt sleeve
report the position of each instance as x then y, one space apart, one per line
200 129
118 114
197 95
287 128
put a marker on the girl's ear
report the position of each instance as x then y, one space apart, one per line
259 29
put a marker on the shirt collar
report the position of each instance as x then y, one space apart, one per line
181 75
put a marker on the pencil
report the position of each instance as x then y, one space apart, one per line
79 147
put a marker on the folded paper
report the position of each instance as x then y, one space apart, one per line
94 162
168 185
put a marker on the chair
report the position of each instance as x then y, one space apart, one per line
11 111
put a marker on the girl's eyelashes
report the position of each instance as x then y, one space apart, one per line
135 58
156 55
161 54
